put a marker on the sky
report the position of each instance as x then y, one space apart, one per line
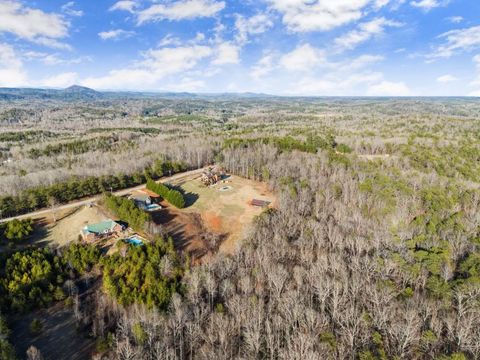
282 47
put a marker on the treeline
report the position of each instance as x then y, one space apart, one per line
76 147
311 145
126 210
36 278
26 136
452 160
31 279
77 188
142 130
173 196
143 275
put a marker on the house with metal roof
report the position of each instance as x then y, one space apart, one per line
92 232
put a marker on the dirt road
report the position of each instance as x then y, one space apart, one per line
97 197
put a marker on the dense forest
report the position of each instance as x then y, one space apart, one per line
373 251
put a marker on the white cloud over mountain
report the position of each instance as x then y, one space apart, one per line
11 67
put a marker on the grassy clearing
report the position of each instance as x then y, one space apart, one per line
228 212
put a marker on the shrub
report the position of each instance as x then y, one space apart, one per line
17 230
35 327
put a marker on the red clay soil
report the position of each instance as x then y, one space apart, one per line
213 222
186 229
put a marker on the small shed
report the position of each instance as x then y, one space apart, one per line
260 203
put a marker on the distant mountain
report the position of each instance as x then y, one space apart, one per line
72 93
82 91
78 93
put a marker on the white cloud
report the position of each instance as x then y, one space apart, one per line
11 67
335 83
32 24
186 84
62 80
457 41
115 34
263 67
52 43
180 10
68 9
125 5
303 58
428 5
476 59
53 59
364 32
322 15
455 19
476 81
308 71
169 39
227 53
362 61
388 88
254 25
156 65
446 79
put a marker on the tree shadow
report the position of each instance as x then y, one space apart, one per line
190 197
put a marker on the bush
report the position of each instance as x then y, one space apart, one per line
18 230
35 327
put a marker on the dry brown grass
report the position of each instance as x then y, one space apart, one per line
68 229
227 212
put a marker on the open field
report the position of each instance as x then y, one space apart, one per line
226 213
68 229
211 215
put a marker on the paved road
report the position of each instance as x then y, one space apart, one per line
89 200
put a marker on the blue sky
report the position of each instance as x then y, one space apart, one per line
285 47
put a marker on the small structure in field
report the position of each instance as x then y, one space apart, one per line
212 175
145 199
260 203
141 200
101 230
